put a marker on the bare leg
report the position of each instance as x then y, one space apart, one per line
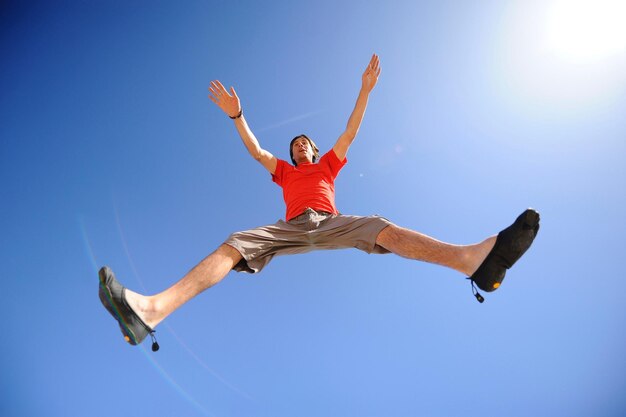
153 309
413 245
404 242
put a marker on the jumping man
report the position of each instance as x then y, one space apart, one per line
312 222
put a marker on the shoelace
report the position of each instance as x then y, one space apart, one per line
155 345
478 296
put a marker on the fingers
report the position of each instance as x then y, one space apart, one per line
221 87
214 94
220 96
374 63
229 103
373 68
218 90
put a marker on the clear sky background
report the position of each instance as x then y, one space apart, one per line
111 153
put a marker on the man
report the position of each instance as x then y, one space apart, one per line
312 222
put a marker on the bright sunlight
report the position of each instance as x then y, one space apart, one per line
584 30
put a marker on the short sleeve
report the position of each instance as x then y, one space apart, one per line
331 160
277 176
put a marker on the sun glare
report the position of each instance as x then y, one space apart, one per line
561 57
583 30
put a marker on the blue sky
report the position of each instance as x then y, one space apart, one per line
111 153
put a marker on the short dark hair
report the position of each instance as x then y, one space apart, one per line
316 151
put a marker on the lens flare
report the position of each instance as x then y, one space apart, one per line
180 341
146 354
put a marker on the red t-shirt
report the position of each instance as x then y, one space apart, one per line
309 184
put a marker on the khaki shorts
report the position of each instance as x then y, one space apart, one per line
305 233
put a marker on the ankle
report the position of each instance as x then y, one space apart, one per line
144 306
469 260
477 254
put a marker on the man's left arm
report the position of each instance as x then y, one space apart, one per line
368 82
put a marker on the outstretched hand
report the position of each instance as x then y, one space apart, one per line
229 103
370 76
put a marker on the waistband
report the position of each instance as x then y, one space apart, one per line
308 211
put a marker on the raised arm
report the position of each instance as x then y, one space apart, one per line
231 105
368 82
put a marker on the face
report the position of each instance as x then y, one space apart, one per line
302 151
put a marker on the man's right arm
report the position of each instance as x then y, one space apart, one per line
266 159
230 104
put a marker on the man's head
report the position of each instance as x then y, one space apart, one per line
302 149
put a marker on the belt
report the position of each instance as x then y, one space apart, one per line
308 211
